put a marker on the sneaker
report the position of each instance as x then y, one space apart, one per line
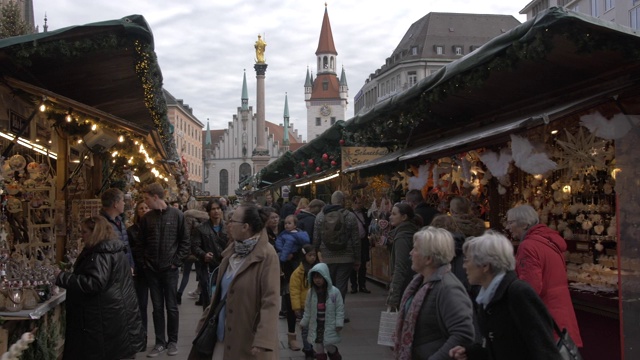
157 350
172 349
194 294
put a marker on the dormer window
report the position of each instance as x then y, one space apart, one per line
457 50
439 49
414 50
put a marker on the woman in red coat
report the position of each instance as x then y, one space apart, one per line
540 262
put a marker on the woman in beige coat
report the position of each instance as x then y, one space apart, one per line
249 277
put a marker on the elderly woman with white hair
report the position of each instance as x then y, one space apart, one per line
540 262
435 311
514 322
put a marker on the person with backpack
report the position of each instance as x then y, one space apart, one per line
337 240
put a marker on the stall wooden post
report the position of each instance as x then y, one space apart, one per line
62 172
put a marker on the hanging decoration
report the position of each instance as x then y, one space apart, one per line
615 128
581 151
420 178
527 159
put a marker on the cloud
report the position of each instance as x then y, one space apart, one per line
203 46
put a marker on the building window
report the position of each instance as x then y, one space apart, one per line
224 182
325 85
414 50
412 78
333 120
318 122
457 50
635 18
439 50
609 4
594 8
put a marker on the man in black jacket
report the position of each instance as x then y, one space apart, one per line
420 207
164 244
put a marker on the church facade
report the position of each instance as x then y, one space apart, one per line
228 152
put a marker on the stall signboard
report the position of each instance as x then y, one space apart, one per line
356 155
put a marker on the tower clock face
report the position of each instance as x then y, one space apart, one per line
325 110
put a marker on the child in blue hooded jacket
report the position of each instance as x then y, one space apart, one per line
323 314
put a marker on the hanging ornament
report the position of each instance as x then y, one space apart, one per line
333 163
304 173
297 176
302 163
325 157
310 162
318 169
341 142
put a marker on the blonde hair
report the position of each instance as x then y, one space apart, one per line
100 229
435 243
303 204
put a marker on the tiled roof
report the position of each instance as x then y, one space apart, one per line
333 90
325 43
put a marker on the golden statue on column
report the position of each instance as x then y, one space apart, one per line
260 47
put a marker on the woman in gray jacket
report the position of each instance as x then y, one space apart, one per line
405 223
435 313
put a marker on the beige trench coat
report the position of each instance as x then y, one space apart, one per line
253 302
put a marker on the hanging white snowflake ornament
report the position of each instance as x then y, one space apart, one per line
581 151
527 159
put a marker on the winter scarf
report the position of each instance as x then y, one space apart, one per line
244 247
412 300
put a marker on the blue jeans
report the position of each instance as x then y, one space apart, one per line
163 287
186 270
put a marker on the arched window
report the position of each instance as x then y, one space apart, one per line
332 66
224 182
325 63
245 170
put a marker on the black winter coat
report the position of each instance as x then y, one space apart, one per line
515 325
204 239
103 320
163 241
306 221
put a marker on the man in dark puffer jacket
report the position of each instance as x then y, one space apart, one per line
163 246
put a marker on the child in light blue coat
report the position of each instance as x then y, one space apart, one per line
323 314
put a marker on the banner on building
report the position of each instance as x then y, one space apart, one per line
356 155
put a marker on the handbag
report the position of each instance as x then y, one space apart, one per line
567 348
387 327
205 341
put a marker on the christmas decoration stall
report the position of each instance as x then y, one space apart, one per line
545 114
83 111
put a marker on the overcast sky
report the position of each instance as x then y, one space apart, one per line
203 46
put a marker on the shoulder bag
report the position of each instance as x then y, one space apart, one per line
205 341
567 348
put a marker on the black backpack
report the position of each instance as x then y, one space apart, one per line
333 235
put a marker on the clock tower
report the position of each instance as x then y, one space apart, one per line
326 96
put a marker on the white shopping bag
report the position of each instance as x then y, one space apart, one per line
387 327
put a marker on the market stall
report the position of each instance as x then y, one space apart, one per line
84 112
543 114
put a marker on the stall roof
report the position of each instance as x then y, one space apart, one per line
555 58
110 66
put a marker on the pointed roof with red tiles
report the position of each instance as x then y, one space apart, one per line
325 44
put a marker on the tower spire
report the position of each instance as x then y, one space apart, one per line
325 43
207 135
285 133
245 93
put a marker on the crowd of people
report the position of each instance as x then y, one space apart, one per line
459 289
